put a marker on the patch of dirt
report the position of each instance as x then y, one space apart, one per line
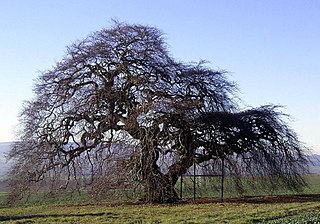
259 199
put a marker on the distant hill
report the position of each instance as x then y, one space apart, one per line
4 166
314 164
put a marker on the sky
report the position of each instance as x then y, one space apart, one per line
270 48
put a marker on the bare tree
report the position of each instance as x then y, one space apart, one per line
119 108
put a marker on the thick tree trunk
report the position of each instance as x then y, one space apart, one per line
160 188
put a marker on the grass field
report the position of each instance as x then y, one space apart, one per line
211 187
253 209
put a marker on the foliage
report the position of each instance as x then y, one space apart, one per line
118 112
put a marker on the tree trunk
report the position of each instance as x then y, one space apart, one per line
160 188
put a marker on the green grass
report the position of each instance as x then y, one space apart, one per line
78 208
186 213
3 196
211 187
306 217
205 187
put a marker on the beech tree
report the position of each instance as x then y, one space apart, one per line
119 109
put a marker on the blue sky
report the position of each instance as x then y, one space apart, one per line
271 48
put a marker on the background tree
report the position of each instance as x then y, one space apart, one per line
118 103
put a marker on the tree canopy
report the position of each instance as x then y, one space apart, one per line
119 109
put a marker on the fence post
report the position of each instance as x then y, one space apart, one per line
222 178
194 181
181 182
